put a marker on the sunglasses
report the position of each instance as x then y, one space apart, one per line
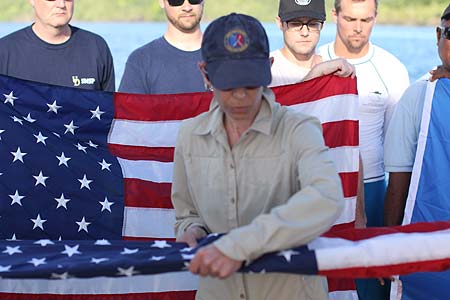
445 32
180 2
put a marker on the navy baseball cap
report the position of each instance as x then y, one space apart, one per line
292 9
236 51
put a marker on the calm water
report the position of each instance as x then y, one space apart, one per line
414 46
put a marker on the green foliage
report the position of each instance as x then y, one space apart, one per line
390 11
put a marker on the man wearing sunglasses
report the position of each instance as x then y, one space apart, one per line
168 65
403 132
400 152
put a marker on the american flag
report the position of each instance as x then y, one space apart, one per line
60 182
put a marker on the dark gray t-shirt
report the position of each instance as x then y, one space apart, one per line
84 61
160 68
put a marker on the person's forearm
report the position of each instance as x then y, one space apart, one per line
360 211
395 200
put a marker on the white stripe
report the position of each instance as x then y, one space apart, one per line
177 281
343 295
148 170
336 253
149 222
421 144
331 109
348 213
346 159
142 133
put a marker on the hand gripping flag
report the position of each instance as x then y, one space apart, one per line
428 198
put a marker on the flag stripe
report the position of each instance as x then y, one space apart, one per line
183 295
163 154
341 133
147 194
163 134
170 284
348 183
147 170
149 222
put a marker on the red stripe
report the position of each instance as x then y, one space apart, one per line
163 154
160 107
141 193
386 271
341 284
349 183
326 86
181 295
365 233
341 133
183 106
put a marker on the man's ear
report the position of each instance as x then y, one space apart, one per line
279 23
204 72
438 35
334 14
161 3
272 59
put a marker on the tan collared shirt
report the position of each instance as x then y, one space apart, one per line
275 189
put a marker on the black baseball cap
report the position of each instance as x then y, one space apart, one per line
236 51
446 13
292 9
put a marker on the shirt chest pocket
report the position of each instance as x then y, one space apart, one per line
264 171
374 102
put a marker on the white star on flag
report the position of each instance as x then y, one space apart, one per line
127 251
38 222
287 254
90 143
157 258
97 113
44 243
17 120
1 131
5 268
16 198
70 128
83 225
105 165
187 249
13 238
40 138
187 256
62 276
37 261
10 98
18 155
106 205
127 272
71 251
161 244
98 260
62 202
63 159
85 182
12 250
53 107
29 118
81 148
102 242
40 179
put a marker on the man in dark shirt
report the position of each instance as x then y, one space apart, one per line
54 52
169 64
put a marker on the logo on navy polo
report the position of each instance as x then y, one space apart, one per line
236 40
303 2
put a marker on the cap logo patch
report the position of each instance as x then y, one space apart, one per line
303 2
236 40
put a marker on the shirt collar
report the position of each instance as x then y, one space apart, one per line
263 122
